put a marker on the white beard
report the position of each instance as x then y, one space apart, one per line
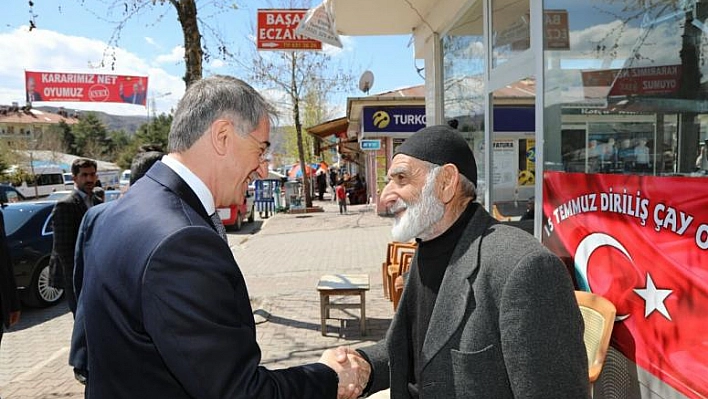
420 217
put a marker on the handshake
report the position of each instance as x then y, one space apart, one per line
353 371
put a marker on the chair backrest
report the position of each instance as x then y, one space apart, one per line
599 317
400 248
406 259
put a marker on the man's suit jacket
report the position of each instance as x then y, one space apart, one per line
67 215
505 324
9 300
78 353
166 308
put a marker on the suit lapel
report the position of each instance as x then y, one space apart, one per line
79 202
456 287
162 174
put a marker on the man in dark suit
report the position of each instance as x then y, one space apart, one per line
9 301
487 311
67 216
78 354
138 96
32 93
166 308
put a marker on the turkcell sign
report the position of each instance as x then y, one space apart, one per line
392 119
370 145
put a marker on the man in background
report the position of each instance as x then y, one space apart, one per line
66 216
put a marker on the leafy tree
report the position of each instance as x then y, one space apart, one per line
91 137
67 137
154 133
6 157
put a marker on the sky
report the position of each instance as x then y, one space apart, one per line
74 36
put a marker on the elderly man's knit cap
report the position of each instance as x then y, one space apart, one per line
441 145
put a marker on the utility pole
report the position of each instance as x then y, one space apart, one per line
149 105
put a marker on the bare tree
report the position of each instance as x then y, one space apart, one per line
196 48
298 75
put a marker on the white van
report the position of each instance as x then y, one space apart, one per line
124 179
68 181
48 180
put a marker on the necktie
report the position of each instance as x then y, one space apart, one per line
219 226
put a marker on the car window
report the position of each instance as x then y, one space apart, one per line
12 196
15 218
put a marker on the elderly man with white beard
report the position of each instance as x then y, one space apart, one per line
487 311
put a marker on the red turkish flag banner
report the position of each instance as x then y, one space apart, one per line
641 242
85 87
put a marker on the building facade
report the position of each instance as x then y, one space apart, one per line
23 128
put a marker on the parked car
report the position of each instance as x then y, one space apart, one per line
58 195
112 195
30 235
233 216
9 194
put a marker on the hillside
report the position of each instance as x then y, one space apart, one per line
127 123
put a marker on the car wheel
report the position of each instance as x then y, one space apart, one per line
252 215
41 294
239 221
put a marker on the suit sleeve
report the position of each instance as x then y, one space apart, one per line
197 311
64 235
377 356
542 331
78 277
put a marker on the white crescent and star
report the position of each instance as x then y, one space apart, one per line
653 297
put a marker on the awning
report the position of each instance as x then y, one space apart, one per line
336 127
380 17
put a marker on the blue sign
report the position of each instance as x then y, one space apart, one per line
394 119
370 145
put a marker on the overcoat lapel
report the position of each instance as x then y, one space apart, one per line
456 288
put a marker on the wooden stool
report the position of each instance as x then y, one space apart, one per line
342 285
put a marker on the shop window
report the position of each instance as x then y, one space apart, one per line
463 83
632 100
510 29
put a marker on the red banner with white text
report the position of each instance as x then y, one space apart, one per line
85 87
641 242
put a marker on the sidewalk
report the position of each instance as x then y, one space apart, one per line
281 264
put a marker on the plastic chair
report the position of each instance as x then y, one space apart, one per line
394 268
599 317
393 255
